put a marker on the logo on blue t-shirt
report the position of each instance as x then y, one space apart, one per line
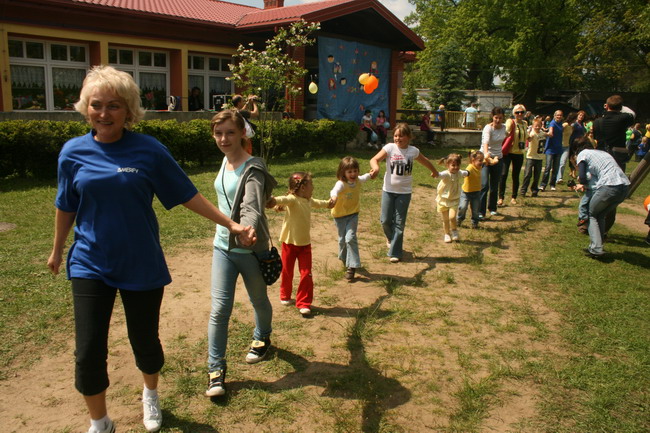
127 170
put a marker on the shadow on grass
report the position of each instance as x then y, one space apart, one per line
357 380
173 422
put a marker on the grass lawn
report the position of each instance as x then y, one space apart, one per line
512 329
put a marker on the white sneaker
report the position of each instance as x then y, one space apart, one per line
286 302
454 235
552 188
447 239
305 311
394 259
108 428
152 418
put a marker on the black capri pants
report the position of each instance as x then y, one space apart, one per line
93 307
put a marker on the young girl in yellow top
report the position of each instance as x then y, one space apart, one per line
295 238
448 194
346 195
470 194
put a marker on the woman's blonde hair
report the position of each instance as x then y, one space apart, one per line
519 107
233 115
119 82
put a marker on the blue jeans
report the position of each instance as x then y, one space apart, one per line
348 244
226 267
563 161
603 202
394 208
552 163
583 207
472 199
490 178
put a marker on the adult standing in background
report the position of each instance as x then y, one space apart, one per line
249 110
516 154
469 118
491 140
610 129
106 183
553 151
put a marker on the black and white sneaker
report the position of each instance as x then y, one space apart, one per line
216 383
258 350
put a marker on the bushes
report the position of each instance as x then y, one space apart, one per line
31 148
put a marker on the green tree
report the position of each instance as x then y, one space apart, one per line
536 45
273 74
449 78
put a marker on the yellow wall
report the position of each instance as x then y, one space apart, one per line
24 31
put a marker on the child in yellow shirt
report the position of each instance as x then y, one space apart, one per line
296 240
470 194
448 194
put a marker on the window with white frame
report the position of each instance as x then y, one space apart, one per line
149 69
208 74
46 75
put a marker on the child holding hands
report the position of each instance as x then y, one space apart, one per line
296 240
470 195
346 195
398 185
448 194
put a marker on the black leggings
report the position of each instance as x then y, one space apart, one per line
517 160
93 306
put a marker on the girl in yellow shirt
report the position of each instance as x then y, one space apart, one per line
296 240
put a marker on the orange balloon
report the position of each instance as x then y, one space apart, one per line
363 78
646 203
372 81
368 89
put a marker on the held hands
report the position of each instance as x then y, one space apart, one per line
373 173
246 235
270 203
331 202
579 187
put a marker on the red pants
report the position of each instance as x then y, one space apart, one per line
305 293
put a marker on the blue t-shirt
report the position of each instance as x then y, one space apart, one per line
111 186
554 143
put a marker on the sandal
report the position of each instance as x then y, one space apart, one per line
513 201
500 202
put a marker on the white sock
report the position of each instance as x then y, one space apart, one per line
149 393
100 424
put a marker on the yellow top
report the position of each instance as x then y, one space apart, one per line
472 183
348 196
297 220
519 142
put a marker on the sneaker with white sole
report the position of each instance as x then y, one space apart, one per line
394 259
216 383
152 418
305 311
285 302
447 239
454 235
108 428
553 188
258 351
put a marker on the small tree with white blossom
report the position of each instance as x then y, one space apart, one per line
273 73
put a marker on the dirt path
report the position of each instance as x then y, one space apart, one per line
416 333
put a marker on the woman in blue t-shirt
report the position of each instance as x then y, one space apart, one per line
106 183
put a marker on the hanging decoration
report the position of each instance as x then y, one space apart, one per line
313 87
363 78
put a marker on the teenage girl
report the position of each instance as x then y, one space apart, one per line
448 194
397 188
471 191
295 238
346 195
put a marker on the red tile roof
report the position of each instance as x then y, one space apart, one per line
201 10
291 13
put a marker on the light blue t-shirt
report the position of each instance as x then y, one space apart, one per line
110 187
225 184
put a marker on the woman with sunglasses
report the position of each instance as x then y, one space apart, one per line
516 154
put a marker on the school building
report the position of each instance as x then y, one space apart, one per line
172 46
